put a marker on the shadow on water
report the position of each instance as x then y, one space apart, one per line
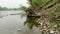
31 21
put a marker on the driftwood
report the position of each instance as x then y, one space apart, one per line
33 16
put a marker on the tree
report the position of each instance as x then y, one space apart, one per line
49 15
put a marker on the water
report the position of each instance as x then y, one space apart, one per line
14 24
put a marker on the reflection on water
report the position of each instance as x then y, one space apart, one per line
32 22
10 24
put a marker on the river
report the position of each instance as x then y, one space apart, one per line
14 24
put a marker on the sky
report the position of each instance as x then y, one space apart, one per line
13 3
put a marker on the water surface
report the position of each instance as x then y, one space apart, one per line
11 23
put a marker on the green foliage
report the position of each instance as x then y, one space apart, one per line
58 9
38 3
52 24
51 2
35 3
58 19
59 29
23 8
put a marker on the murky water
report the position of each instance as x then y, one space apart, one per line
12 23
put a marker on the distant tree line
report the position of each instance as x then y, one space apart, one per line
5 8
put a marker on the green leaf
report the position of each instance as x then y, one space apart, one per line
35 3
38 3
58 9
52 24
58 19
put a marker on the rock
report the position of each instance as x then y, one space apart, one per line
18 29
